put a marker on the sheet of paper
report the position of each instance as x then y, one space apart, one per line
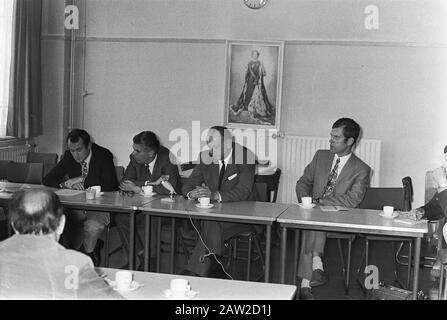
68 192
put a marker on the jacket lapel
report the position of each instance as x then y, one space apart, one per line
348 167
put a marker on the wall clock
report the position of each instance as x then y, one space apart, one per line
255 4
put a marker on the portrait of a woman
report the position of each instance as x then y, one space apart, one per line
253 85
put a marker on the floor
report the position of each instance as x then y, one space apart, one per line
380 255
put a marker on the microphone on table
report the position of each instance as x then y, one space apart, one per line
169 187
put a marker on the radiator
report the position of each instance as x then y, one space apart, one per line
298 151
15 153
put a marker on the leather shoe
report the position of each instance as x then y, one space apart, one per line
186 272
306 294
319 278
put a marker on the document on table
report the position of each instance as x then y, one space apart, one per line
68 192
333 208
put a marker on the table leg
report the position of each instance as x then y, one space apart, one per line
282 256
417 258
268 240
132 241
296 253
158 243
171 260
147 244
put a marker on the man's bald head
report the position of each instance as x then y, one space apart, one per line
35 211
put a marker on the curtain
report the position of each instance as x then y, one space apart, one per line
6 10
25 97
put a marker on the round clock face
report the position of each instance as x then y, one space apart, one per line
255 4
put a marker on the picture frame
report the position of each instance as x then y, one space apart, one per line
253 84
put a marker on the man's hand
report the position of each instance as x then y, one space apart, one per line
203 192
159 180
128 185
74 183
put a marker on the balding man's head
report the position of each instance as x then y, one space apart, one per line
36 211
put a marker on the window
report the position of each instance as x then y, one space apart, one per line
6 11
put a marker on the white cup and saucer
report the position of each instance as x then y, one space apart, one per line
306 203
204 203
93 192
124 281
388 212
148 191
179 289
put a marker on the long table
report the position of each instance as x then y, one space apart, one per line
154 285
352 221
113 202
261 213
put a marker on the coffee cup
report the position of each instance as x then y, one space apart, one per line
123 279
179 287
388 211
204 202
306 201
97 190
90 194
147 190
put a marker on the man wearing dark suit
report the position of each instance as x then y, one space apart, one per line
150 164
225 173
334 177
85 164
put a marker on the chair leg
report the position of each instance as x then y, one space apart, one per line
395 267
342 259
348 267
249 257
360 270
441 280
410 253
106 247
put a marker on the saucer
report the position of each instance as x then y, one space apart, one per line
395 214
133 286
204 207
306 207
188 295
149 195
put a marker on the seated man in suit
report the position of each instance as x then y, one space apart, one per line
34 265
85 164
334 177
150 164
225 173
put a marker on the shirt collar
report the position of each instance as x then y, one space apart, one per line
152 163
89 157
227 158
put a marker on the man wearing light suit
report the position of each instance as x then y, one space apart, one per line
334 177
225 173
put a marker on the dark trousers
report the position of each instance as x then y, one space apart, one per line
214 235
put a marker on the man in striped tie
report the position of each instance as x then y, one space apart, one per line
334 177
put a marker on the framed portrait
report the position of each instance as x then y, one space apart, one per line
253 84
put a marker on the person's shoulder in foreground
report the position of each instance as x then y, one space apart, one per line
34 265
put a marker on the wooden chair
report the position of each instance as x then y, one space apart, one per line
49 160
25 172
265 189
4 169
400 199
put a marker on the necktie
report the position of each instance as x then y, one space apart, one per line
331 180
84 169
221 174
148 172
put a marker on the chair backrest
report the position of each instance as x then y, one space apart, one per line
408 193
25 172
376 198
40 157
4 169
272 183
119 173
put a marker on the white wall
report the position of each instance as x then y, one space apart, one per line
144 73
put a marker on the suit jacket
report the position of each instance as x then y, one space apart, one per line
138 173
237 183
350 186
101 170
436 208
37 267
